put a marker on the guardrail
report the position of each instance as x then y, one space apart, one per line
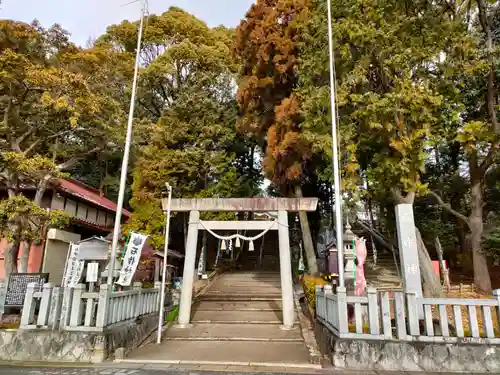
85 310
400 316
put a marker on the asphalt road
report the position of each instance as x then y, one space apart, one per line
154 370
118 371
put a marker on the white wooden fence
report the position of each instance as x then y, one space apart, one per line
386 316
81 310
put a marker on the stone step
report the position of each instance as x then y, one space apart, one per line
234 332
245 317
212 352
238 305
274 283
249 281
236 297
243 292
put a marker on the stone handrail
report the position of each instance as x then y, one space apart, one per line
377 316
437 326
49 299
87 311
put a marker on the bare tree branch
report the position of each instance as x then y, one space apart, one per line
23 137
448 208
490 158
71 162
38 141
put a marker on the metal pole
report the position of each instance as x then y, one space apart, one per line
336 172
128 139
164 276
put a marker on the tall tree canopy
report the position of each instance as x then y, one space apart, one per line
267 46
57 109
186 98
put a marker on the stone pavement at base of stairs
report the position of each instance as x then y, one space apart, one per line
130 369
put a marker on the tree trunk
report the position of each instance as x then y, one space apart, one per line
431 283
481 272
25 256
10 259
306 237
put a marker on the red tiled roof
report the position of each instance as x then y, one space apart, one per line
88 194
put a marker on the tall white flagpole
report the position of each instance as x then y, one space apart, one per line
128 140
336 169
164 276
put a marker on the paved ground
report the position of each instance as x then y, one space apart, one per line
235 322
154 370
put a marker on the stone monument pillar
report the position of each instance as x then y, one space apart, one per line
408 253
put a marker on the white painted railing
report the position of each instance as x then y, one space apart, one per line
456 320
49 301
380 316
333 310
84 310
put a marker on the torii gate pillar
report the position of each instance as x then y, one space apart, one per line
282 205
286 271
188 275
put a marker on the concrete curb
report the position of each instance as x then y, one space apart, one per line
307 333
251 339
226 363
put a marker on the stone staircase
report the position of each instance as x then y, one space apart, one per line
384 274
236 321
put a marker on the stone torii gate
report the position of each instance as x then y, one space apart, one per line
281 205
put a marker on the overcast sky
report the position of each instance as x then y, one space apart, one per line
89 18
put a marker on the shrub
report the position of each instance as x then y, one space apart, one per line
309 284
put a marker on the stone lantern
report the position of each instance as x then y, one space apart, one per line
349 254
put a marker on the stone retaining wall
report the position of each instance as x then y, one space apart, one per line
406 356
83 347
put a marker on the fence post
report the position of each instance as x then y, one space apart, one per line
75 319
319 290
55 307
139 306
496 293
43 313
412 308
328 312
373 311
342 310
29 306
66 307
158 296
399 306
386 315
102 306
